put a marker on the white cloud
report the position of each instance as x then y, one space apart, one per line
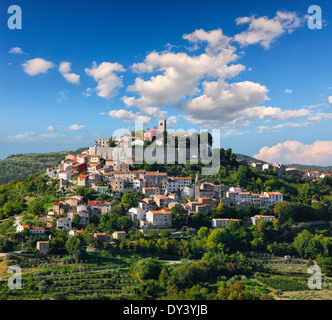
33 137
278 127
288 91
63 95
87 92
264 31
180 76
51 129
330 99
318 153
108 81
196 84
16 50
65 68
290 114
76 127
223 104
310 120
72 77
172 120
128 116
215 39
36 66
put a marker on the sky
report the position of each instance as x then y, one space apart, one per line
255 70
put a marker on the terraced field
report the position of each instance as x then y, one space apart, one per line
288 280
48 278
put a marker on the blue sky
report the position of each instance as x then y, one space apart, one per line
254 70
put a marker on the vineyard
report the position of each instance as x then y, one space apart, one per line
48 278
284 283
288 279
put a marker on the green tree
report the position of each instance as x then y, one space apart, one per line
147 269
111 142
165 233
124 222
130 199
75 247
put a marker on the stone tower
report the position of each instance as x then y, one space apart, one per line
162 125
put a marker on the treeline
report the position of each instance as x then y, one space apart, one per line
202 280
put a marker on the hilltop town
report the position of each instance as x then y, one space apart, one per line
107 212
156 193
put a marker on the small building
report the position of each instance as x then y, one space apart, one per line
43 247
63 224
177 183
151 191
222 223
257 217
119 235
101 237
83 180
65 175
94 159
75 232
159 218
137 214
78 168
37 230
161 200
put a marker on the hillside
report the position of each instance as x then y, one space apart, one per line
322 169
21 165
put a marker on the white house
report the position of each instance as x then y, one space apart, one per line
257 217
137 183
222 223
175 183
73 233
65 175
137 214
159 218
274 197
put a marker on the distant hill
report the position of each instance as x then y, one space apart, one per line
298 166
243 157
321 169
21 165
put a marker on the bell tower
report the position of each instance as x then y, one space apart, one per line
162 125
